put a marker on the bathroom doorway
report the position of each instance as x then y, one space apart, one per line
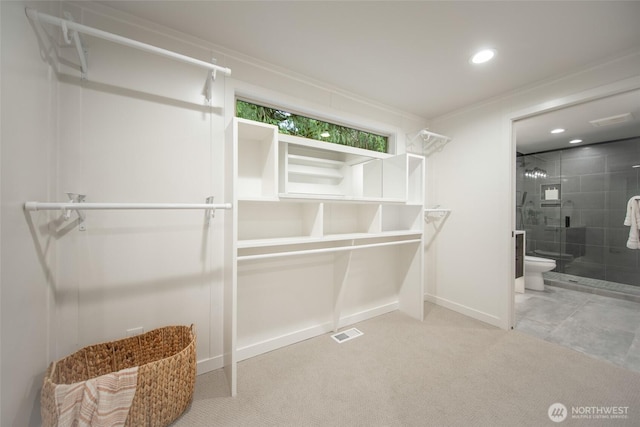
570 199
576 169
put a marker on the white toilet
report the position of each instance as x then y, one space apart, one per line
533 268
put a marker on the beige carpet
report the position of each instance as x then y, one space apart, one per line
449 370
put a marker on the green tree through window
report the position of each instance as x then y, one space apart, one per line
294 124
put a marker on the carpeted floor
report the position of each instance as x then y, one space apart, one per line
449 370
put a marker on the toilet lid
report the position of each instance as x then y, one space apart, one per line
538 259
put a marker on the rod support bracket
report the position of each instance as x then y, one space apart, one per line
66 213
209 213
82 52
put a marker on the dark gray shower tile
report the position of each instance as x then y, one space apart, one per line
586 269
617 200
622 162
595 182
583 165
614 218
617 237
592 217
570 184
622 181
587 200
597 340
620 256
593 254
626 275
594 236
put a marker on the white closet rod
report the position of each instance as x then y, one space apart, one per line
45 206
66 24
324 250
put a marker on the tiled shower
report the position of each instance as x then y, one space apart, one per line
572 205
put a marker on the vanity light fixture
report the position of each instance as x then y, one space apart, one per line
558 130
483 56
575 141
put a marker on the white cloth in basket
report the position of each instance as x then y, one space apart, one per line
103 401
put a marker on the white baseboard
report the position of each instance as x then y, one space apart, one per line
271 344
463 309
208 365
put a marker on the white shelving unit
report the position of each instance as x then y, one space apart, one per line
313 222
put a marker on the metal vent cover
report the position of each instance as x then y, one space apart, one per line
347 335
607 121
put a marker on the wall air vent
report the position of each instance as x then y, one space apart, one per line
607 121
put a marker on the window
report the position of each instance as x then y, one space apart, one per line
294 124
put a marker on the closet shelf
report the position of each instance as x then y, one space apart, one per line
317 172
338 197
284 241
314 161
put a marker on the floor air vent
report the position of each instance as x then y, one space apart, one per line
347 335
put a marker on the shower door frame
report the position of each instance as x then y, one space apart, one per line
599 92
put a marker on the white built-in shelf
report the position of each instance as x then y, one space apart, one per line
350 199
318 172
285 241
301 197
314 161
347 154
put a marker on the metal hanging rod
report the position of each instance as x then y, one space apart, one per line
69 25
325 250
46 206
78 205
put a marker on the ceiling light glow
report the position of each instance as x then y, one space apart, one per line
575 141
558 130
483 56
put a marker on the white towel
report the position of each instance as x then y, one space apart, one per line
99 402
633 220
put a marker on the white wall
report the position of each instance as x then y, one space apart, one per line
27 267
137 130
472 175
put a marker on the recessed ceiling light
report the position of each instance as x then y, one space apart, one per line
575 141
483 56
558 130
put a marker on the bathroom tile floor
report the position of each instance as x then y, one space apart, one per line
603 327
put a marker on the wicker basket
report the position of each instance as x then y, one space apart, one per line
166 361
